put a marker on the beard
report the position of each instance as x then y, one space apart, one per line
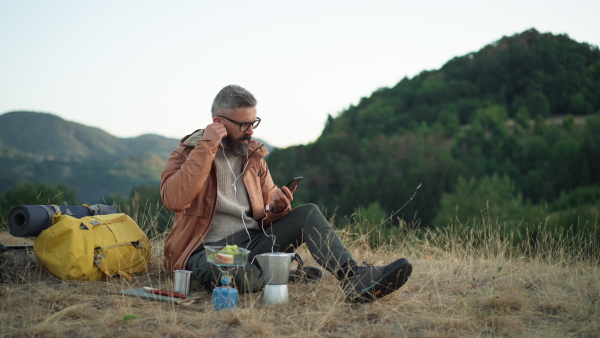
236 146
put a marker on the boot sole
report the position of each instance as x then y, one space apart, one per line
394 277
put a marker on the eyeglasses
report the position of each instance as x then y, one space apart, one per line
244 125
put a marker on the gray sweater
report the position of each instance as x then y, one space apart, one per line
233 205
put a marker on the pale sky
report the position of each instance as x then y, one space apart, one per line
137 67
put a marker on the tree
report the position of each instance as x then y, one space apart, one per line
497 195
569 123
491 120
579 106
538 104
448 118
591 147
522 118
540 125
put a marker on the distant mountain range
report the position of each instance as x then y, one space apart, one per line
42 147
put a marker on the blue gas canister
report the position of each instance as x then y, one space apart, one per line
224 298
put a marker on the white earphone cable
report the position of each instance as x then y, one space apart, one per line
267 207
235 178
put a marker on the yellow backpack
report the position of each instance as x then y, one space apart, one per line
91 247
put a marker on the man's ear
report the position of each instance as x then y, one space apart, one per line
217 119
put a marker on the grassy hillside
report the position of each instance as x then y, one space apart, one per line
465 283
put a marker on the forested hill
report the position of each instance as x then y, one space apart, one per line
43 148
475 130
534 73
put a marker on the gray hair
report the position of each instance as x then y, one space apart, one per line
232 97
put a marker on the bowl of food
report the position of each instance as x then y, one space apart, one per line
226 255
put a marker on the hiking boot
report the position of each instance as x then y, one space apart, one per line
364 284
308 274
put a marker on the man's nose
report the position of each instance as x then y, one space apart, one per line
250 130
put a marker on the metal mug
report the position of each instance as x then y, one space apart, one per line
181 281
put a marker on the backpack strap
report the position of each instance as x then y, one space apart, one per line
108 221
115 220
125 258
102 268
98 209
51 210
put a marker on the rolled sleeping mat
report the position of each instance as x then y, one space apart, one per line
30 220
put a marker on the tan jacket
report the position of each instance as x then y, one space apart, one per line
189 188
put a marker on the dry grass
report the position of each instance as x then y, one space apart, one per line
457 289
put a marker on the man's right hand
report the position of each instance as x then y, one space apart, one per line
215 132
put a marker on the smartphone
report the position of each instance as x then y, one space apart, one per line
294 182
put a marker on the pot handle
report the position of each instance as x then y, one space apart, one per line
296 257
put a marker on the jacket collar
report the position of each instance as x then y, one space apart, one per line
191 140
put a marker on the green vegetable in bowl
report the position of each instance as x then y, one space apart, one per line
230 250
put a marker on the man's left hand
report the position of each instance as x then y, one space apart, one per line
282 198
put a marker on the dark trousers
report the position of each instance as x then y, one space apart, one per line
304 224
